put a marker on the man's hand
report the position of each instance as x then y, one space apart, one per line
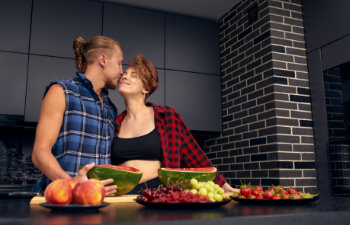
82 176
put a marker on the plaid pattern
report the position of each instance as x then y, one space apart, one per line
180 149
87 131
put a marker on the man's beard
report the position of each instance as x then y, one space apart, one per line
111 86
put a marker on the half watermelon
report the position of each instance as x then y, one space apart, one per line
182 175
125 177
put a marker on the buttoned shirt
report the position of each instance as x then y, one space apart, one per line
179 147
87 129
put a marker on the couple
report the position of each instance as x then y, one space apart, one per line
78 123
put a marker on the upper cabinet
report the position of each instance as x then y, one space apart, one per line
56 24
43 70
15 25
196 97
191 44
138 31
13 79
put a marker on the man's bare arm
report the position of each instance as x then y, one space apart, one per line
51 117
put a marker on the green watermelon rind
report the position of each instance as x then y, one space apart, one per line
176 177
125 180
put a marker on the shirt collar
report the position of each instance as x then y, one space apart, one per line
85 81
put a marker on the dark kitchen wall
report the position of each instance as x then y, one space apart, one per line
36 47
267 133
328 46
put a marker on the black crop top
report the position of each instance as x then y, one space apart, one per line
146 147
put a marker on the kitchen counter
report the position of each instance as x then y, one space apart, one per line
330 211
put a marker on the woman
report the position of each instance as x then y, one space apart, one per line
149 137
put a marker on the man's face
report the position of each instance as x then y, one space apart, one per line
114 68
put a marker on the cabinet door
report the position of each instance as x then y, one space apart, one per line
157 96
139 31
13 78
191 44
43 70
197 97
15 25
56 24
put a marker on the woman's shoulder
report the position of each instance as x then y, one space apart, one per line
163 109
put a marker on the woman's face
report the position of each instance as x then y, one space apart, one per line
130 84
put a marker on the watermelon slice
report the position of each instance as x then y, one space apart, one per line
181 175
126 178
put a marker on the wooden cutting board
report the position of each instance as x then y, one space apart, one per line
124 198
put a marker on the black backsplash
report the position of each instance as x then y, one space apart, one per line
16 166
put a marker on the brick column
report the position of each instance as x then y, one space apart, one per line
267 133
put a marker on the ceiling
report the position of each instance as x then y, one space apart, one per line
209 9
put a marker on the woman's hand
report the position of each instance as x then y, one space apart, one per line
228 188
82 176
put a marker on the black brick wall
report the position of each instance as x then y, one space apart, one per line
267 133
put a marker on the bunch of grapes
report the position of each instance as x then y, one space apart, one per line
207 189
170 193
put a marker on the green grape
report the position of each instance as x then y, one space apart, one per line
211 183
210 195
221 191
218 197
193 182
194 191
216 187
208 187
201 184
203 192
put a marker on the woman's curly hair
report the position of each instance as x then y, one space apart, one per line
147 73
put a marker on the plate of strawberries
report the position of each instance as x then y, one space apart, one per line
273 195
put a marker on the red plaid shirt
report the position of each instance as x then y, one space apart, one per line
180 149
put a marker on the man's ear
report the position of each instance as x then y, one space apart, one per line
102 60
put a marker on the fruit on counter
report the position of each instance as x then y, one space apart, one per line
208 189
126 178
72 182
274 193
90 192
180 175
59 192
170 194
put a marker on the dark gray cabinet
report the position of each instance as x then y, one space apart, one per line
56 24
191 44
138 31
13 79
197 97
15 25
157 97
42 70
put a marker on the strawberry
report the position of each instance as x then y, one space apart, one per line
276 197
292 191
258 188
256 193
246 191
268 194
285 196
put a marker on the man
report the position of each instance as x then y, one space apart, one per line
77 119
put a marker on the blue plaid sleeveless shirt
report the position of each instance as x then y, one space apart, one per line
87 130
